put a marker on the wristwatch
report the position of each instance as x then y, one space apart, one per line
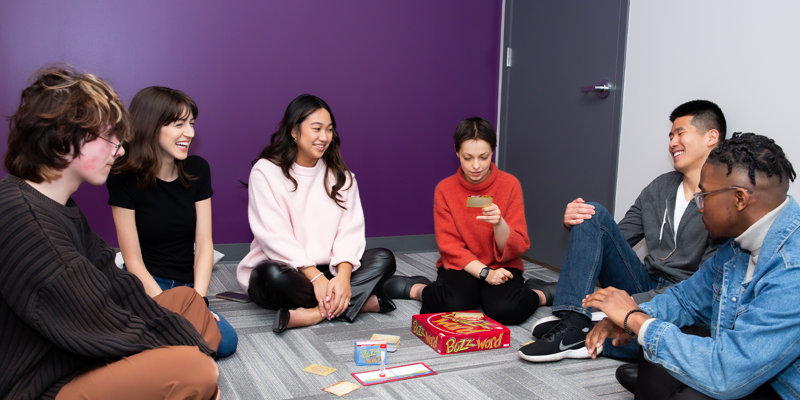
484 273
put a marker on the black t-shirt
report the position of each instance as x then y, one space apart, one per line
165 218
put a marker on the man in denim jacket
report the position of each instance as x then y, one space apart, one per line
747 293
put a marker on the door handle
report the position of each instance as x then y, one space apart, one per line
602 89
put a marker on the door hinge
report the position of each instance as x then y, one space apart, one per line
508 57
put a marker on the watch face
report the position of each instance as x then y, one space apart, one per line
484 273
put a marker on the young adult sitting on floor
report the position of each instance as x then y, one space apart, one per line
160 198
307 259
479 246
73 324
746 292
601 250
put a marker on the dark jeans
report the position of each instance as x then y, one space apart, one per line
656 383
230 340
275 285
456 290
597 252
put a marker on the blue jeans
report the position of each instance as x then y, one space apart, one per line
230 339
597 252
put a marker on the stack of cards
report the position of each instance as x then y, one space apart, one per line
392 341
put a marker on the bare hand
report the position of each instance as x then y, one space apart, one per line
499 276
614 302
491 214
603 330
320 290
577 211
338 296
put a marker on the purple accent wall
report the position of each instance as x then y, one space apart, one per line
398 75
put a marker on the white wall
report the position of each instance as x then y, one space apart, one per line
744 55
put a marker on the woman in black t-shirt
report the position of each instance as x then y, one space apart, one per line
161 200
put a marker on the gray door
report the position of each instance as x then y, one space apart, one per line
559 141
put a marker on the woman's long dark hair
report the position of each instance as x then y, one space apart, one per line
282 149
151 109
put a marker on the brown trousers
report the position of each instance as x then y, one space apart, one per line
174 372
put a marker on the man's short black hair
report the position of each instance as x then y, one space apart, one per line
753 152
705 116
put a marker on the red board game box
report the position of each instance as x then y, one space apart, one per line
460 331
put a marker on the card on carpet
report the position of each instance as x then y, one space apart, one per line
341 388
319 369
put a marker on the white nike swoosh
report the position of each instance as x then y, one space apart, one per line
562 347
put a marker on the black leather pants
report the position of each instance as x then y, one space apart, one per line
275 285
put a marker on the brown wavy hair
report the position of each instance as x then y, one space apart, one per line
282 149
59 112
151 109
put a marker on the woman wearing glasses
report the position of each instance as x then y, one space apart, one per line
161 200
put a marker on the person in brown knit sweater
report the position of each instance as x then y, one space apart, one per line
74 325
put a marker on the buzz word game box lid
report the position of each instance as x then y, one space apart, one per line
460 331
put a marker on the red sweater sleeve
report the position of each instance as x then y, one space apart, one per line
452 248
514 214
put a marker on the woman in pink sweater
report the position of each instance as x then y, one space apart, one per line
307 258
479 222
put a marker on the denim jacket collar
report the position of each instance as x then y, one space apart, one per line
785 224
753 237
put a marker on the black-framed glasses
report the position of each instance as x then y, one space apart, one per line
116 145
700 196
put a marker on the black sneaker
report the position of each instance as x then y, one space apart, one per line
562 341
544 325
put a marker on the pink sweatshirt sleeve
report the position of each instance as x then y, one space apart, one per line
350 239
269 218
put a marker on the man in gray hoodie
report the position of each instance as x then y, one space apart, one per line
600 249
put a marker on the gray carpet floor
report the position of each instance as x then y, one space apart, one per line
270 366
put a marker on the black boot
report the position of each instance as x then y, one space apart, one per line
399 287
627 375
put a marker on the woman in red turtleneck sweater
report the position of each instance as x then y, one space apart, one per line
479 246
